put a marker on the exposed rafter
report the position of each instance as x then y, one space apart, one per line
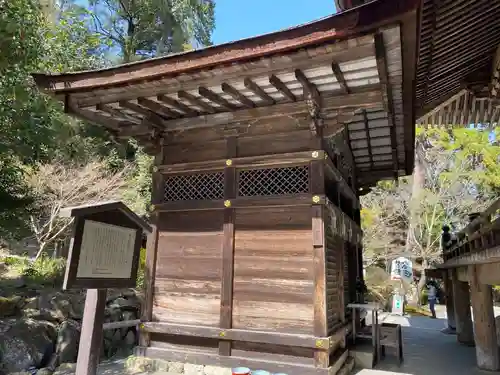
177 105
339 76
157 107
212 96
257 90
383 72
196 101
281 87
236 95
368 139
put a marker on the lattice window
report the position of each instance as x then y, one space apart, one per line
273 181
200 186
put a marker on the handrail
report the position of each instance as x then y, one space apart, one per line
478 235
483 216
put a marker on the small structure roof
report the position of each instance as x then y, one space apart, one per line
359 65
94 208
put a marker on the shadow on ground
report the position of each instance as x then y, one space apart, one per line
427 351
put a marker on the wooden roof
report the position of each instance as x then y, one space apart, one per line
357 67
458 43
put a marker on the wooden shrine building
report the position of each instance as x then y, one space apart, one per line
262 148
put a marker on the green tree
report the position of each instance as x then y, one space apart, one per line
138 29
457 175
33 127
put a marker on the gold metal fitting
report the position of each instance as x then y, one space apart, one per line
155 169
315 154
141 326
316 199
222 334
319 343
227 203
229 162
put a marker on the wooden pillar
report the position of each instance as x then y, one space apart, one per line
226 300
450 304
463 318
484 322
152 247
317 187
89 350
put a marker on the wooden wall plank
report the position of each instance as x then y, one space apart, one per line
189 256
273 256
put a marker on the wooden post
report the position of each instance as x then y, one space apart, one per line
152 248
226 300
463 318
450 304
484 322
317 186
89 351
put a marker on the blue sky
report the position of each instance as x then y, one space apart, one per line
238 19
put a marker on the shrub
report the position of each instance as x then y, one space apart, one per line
44 271
142 267
424 297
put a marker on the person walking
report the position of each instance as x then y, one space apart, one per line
432 299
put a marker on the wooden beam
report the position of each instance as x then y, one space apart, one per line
381 56
301 199
246 335
257 90
368 138
286 159
196 101
137 108
362 99
157 107
339 76
309 88
281 87
99 119
177 105
484 323
212 96
117 113
236 95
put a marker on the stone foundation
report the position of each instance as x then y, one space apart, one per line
148 365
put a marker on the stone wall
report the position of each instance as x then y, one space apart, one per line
41 329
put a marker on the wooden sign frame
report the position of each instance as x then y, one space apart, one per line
113 213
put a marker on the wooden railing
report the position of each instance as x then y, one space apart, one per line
482 233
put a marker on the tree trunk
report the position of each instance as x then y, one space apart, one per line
418 184
421 283
40 250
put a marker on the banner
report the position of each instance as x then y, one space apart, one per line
402 269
